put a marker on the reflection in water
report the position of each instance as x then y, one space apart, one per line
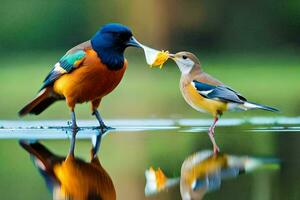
203 172
70 177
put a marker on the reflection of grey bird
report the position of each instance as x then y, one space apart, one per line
207 94
70 177
203 172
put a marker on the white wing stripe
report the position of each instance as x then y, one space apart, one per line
58 68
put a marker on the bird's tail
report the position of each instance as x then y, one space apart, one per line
249 106
156 181
42 157
252 163
43 100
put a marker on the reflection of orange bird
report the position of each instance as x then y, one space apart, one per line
70 177
86 73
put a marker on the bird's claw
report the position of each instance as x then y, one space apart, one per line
74 129
104 128
73 126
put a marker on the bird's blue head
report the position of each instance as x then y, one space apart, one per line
110 43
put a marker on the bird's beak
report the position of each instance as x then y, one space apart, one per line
172 56
133 43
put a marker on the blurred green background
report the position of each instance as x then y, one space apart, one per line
252 46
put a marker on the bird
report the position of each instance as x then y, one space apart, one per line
204 171
69 177
205 93
86 73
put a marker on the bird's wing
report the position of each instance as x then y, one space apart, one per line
70 61
237 93
206 78
219 92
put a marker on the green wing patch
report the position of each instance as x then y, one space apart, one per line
65 65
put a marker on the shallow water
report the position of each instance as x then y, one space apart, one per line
135 145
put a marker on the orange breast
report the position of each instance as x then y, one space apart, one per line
92 80
78 179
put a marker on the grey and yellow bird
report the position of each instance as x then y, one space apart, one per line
203 172
205 93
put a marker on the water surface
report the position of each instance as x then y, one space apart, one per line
135 145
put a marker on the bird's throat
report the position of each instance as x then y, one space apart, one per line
113 59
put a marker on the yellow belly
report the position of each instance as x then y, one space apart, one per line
199 170
198 102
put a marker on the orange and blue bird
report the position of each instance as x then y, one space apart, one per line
71 177
86 73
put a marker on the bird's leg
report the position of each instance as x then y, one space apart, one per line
103 127
74 124
215 146
71 105
95 104
74 132
211 132
96 145
212 127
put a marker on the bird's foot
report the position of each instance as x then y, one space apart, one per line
73 126
103 128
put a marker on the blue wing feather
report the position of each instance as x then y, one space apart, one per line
51 77
203 86
220 92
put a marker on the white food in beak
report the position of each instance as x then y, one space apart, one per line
150 54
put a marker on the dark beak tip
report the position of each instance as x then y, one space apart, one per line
133 43
172 56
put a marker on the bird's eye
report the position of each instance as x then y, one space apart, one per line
184 57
